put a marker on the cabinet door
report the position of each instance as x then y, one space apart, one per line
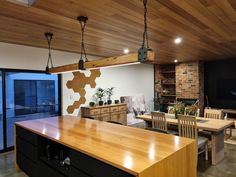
115 117
93 167
25 164
105 110
105 117
114 109
123 118
122 108
94 112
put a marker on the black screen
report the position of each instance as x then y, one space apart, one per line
226 89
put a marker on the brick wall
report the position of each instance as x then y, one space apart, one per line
187 80
190 81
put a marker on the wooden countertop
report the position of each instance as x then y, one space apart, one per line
130 149
213 125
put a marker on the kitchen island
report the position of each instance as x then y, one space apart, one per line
71 146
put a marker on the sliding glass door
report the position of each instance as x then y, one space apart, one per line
28 95
1 116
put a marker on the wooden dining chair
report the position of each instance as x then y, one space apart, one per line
188 129
159 122
213 113
216 114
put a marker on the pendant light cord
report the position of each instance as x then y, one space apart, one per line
82 50
145 33
49 40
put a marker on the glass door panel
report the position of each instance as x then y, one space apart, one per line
29 96
1 116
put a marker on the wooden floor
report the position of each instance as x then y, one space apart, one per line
225 169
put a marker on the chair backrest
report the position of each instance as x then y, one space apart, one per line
213 113
187 126
159 120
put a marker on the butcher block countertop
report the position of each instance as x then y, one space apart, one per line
139 152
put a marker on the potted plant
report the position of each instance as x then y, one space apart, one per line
117 101
92 104
100 94
109 92
178 108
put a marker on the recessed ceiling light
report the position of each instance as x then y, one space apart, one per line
178 40
176 61
126 51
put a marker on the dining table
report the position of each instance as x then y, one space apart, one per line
215 127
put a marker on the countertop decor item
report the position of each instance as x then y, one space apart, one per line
109 92
117 101
100 95
178 108
92 104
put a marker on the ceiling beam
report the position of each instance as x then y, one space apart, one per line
104 62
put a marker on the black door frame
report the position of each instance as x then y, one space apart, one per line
4 70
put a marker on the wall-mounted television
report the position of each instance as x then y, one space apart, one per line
226 89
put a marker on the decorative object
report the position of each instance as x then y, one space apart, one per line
117 101
178 108
92 104
144 54
100 95
78 83
109 92
192 109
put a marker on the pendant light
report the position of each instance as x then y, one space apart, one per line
49 36
143 55
83 56
143 50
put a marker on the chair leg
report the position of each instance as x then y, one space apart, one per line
206 151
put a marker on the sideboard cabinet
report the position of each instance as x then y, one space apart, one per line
114 112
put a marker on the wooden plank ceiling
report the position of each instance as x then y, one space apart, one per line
208 27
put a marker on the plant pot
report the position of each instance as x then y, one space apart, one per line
92 104
117 101
100 103
109 101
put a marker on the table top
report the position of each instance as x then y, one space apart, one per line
213 125
130 149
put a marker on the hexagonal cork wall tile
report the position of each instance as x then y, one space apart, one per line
78 83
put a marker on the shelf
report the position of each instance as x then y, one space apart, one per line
168 95
168 83
168 103
167 72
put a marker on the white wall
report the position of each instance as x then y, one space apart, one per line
128 81
25 57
